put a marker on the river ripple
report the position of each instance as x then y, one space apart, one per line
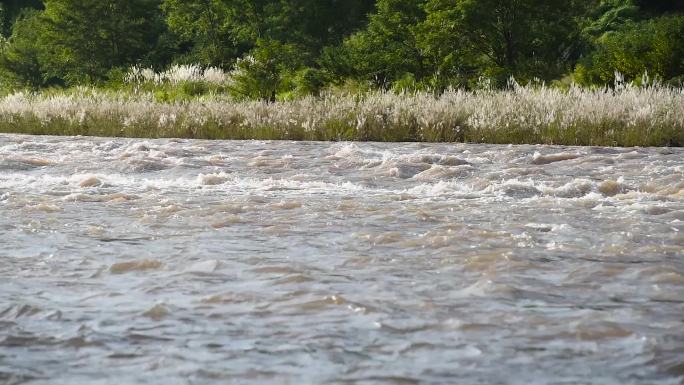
191 262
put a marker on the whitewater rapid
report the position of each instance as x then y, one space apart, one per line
191 262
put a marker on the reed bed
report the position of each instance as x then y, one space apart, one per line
627 116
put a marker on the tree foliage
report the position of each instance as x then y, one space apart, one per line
74 41
83 40
521 38
386 49
11 10
217 32
652 47
261 74
20 61
288 47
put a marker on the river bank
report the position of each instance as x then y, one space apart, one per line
630 116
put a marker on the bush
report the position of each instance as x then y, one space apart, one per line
309 81
265 71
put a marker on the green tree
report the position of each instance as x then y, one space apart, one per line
497 38
313 23
217 32
328 22
82 40
20 63
654 46
214 32
262 73
608 16
386 50
10 10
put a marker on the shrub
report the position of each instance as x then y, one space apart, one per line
263 73
309 81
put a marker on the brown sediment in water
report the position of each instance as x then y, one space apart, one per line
92 181
126 267
157 312
610 188
552 158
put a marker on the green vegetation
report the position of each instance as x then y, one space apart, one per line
651 47
286 48
626 116
280 54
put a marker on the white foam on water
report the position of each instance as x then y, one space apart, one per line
174 255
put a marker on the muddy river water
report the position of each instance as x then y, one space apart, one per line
195 262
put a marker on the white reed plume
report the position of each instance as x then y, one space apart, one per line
177 74
536 114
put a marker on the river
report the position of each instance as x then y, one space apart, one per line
127 261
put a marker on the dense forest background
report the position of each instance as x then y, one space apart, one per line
284 46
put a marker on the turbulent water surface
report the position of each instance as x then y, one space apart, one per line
189 262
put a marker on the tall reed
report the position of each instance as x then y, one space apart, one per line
627 116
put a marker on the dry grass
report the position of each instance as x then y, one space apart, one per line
631 116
